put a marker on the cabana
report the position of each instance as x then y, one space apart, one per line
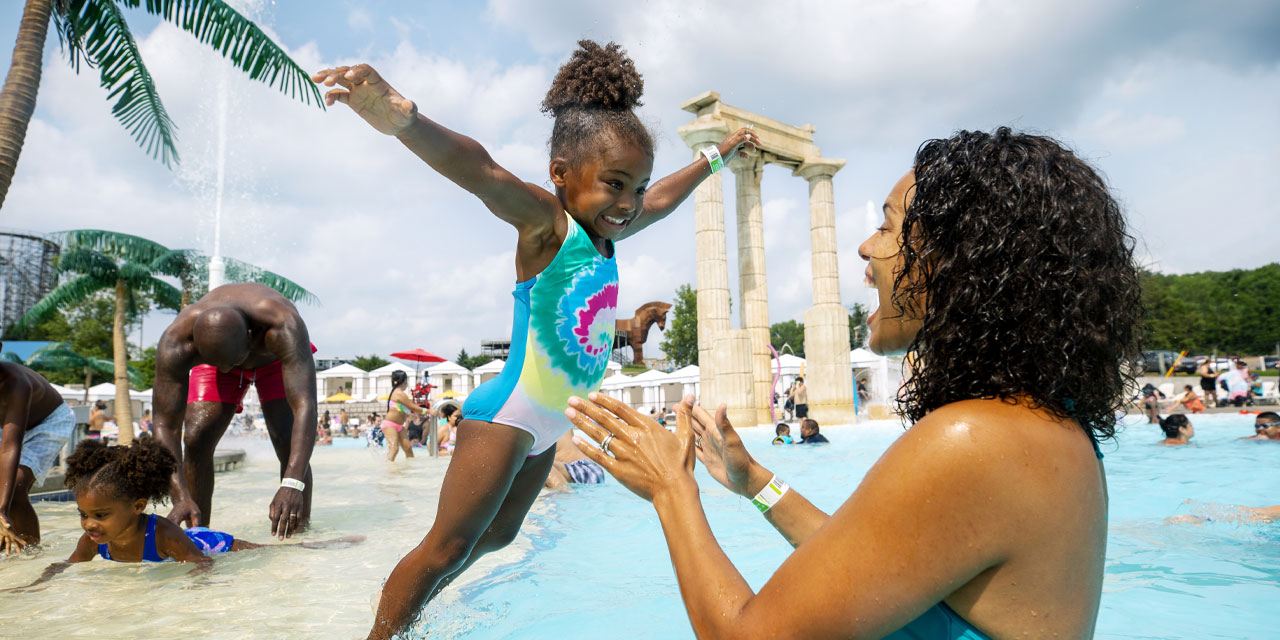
488 371
342 378
379 380
449 376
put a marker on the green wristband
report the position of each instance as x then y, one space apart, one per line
770 494
713 156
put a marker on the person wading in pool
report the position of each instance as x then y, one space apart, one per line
36 425
1003 263
237 336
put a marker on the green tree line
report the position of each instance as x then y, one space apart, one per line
1235 311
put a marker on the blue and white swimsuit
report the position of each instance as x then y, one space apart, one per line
206 540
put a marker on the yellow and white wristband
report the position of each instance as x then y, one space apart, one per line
293 484
713 156
770 494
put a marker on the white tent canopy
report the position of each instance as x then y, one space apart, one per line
493 366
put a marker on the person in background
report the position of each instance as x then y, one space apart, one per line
343 421
800 395
144 425
1177 430
1208 381
1150 403
571 467
809 432
97 419
782 434
1188 399
1266 426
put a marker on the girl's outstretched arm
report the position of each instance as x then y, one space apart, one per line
666 194
453 155
84 551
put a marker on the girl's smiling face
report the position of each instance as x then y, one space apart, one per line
605 191
891 329
106 518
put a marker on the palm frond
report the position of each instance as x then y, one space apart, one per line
66 294
107 42
121 246
218 25
57 356
87 262
165 295
102 366
10 356
177 263
239 271
136 275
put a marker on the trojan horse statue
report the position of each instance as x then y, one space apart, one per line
632 332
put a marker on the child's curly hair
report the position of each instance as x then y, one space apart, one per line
594 93
140 470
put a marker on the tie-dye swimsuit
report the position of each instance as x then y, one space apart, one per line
561 339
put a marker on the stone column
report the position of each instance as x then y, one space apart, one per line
752 285
712 265
826 325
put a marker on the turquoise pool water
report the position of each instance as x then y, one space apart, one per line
592 563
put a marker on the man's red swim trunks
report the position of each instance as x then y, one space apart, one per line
207 384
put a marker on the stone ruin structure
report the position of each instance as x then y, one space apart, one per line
735 364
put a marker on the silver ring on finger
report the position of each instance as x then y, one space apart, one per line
697 442
604 444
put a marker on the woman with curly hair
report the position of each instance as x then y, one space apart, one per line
1004 266
565 297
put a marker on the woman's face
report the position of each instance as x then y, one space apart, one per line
891 331
1187 431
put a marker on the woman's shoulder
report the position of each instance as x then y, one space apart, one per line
1005 431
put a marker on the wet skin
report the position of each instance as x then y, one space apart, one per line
26 400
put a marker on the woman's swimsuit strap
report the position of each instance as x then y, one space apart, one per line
939 622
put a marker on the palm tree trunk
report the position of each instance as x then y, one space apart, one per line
88 379
18 97
124 410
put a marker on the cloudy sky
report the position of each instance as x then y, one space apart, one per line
1177 103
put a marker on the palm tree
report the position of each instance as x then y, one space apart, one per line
96 30
105 260
192 270
58 356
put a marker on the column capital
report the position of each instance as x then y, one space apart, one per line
752 164
703 131
814 168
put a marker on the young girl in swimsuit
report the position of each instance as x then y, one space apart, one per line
113 486
566 292
399 405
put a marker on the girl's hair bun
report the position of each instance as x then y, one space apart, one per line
599 77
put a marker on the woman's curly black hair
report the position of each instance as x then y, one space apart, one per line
592 94
1022 262
140 470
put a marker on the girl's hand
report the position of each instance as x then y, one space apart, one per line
646 458
742 142
370 97
721 450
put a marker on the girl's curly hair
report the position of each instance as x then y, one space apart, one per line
593 94
1021 260
140 470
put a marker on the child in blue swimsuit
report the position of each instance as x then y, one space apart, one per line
114 485
565 297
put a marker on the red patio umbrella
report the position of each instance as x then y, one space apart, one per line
417 356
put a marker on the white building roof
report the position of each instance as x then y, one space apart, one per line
389 369
863 357
616 380
342 371
447 368
493 366
613 366
652 375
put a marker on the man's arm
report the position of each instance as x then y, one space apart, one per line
298 370
17 402
169 399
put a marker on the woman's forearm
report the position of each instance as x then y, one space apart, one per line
793 515
714 592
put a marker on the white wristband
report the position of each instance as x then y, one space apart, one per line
713 156
293 484
770 494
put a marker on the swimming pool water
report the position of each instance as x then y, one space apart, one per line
593 563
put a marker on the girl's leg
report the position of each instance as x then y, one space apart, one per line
406 443
477 488
392 437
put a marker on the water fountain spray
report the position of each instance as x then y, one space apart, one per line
217 267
